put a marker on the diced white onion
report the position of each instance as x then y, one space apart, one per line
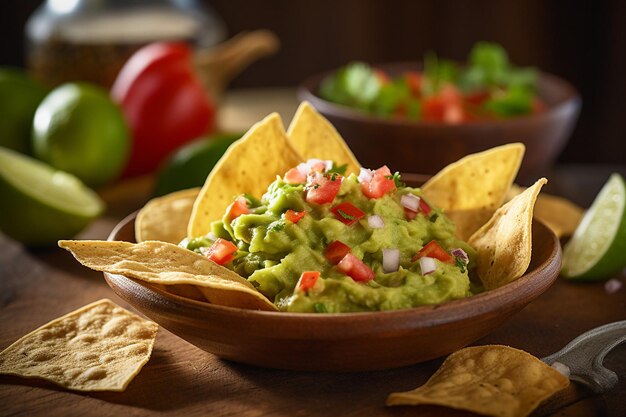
612 286
561 368
375 222
410 201
460 253
365 175
211 236
427 265
329 165
303 168
391 260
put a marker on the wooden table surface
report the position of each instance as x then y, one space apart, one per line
37 286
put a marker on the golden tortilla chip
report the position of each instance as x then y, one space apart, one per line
471 189
314 137
494 380
99 347
167 264
559 214
165 218
504 243
248 166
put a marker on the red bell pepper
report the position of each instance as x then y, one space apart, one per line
164 103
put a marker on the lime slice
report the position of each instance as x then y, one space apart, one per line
41 205
596 251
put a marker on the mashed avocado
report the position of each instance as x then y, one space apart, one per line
274 247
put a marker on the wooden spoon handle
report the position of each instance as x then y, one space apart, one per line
218 65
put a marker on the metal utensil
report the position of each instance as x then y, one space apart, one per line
583 356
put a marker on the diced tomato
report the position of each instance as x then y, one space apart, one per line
294 216
355 268
348 213
335 251
477 97
307 280
424 207
413 80
537 105
317 165
239 207
445 106
322 188
434 250
382 76
294 176
409 214
221 252
380 184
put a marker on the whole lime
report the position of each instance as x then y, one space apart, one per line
78 129
19 97
189 166
40 204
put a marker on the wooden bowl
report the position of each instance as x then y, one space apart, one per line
410 146
340 342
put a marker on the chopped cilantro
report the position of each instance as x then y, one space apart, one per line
252 201
320 308
333 176
345 215
434 218
339 169
460 263
396 179
276 226
316 186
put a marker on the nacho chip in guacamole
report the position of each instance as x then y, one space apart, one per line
314 137
165 218
471 189
559 214
504 243
248 166
167 264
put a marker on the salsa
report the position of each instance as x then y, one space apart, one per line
488 87
318 241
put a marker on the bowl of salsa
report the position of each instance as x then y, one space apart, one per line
423 116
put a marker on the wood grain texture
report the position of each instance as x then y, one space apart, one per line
36 286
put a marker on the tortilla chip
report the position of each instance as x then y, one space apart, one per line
167 264
559 214
504 243
165 218
314 137
248 166
471 189
494 380
99 347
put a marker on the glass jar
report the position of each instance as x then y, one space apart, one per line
90 40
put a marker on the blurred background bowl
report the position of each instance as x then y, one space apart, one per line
410 146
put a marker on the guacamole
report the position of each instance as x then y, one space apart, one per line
320 242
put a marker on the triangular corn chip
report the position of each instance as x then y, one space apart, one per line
99 347
314 137
165 218
559 214
494 380
472 188
167 264
248 166
504 243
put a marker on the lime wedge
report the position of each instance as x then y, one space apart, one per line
596 250
40 204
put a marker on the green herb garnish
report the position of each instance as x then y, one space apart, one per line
345 215
320 308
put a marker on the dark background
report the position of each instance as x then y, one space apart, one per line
583 42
